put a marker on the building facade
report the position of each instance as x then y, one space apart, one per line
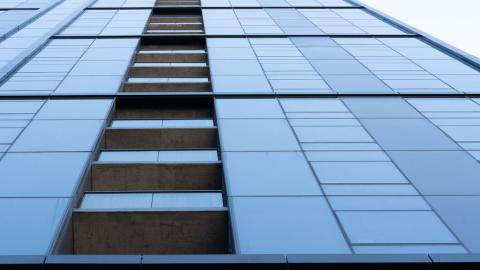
145 134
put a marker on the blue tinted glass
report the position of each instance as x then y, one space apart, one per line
350 203
240 84
248 108
75 109
13 123
467 83
279 225
394 227
115 43
235 67
314 53
48 174
116 200
94 84
227 42
463 133
187 200
440 172
8 135
137 123
100 68
269 173
346 155
128 156
448 67
339 67
313 42
422 135
324 122
188 156
332 134
19 236
20 106
58 135
162 123
406 249
356 84
195 123
99 53
381 108
339 146
231 53
444 105
159 156
312 105
357 172
256 135
374 190
462 215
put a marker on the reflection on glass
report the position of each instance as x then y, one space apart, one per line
164 80
162 123
159 156
183 64
152 200
187 200
171 51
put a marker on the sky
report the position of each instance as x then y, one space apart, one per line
456 22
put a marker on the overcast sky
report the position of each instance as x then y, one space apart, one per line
456 22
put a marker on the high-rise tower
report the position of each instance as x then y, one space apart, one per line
218 134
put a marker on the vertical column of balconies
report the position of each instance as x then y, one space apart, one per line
156 186
169 64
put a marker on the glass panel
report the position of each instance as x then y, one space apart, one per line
8 135
422 135
188 156
187 123
406 249
116 200
137 123
381 108
8 106
357 172
48 174
269 173
332 134
187 200
29 225
313 105
159 156
463 133
183 64
378 203
444 105
285 225
256 135
462 215
346 156
341 146
374 190
440 172
248 108
94 84
197 123
75 109
128 156
356 83
240 84
59 135
395 227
